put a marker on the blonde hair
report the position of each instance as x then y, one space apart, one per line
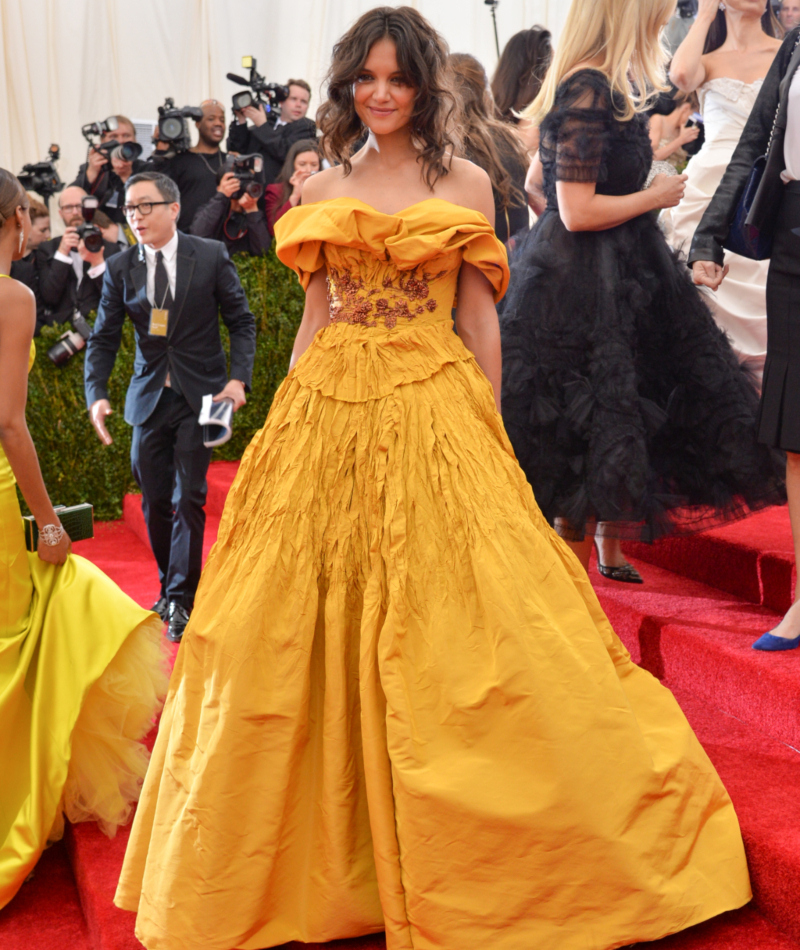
625 36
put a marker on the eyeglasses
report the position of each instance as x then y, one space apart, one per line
77 207
144 207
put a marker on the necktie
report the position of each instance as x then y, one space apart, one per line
163 296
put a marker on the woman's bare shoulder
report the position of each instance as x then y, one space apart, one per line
468 185
323 185
17 306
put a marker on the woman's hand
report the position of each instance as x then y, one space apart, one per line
54 553
708 274
297 181
707 10
667 190
688 134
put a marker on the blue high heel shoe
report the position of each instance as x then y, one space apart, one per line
772 644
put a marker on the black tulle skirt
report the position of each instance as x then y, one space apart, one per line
622 397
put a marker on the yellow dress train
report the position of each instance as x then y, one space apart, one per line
398 703
82 676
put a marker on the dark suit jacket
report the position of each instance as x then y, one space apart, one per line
58 287
272 143
206 284
774 95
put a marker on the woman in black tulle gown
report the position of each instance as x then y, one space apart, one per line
623 399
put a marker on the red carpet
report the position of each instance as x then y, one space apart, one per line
704 601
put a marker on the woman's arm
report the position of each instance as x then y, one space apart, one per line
476 322
582 209
687 70
17 322
534 186
316 315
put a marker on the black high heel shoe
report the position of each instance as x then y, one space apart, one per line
625 573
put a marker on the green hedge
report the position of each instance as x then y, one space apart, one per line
77 467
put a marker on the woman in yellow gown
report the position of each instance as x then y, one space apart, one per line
398 704
82 673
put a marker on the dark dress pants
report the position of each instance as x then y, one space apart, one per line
170 464
779 413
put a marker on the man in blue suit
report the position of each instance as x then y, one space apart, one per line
174 287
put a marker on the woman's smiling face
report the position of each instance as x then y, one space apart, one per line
384 97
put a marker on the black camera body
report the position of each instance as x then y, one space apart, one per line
42 177
268 94
67 345
89 233
127 151
248 169
173 128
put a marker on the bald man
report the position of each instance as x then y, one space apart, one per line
69 277
195 171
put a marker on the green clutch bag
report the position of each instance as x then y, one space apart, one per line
78 522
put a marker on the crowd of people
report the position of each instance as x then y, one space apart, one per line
394 672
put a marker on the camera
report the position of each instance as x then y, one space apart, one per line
172 127
67 345
91 235
687 9
127 151
268 94
247 169
42 177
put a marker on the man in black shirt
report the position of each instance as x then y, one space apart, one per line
195 172
98 175
274 139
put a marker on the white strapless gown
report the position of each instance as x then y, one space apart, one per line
740 305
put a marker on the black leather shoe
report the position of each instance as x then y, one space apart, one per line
161 607
178 618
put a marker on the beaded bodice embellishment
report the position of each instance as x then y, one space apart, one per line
402 296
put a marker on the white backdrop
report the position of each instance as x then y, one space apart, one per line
64 63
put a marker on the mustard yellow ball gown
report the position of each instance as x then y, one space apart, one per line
398 703
82 677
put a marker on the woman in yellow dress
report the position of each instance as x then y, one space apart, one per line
398 704
82 674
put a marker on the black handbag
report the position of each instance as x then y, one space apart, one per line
743 238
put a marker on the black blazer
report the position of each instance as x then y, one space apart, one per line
211 220
715 223
57 283
206 284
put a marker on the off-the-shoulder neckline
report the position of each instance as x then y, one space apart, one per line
394 214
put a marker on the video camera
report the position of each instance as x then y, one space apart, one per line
172 127
127 151
268 94
42 177
247 169
91 235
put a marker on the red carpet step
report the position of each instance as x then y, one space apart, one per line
752 559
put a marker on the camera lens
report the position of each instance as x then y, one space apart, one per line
66 347
254 188
93 240
171 127
127 152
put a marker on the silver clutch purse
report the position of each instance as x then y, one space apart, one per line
658 168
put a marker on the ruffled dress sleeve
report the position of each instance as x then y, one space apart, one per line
575 132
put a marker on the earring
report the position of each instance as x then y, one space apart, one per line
21 240
722 6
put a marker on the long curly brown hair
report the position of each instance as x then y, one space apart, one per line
422 57
486 140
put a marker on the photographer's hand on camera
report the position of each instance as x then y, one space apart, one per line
98 413
70 240
256 115
96 165
229 185
249 204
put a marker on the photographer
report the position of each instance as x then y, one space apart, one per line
70 277
195 171
301 163
105 175
274 139
233 217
